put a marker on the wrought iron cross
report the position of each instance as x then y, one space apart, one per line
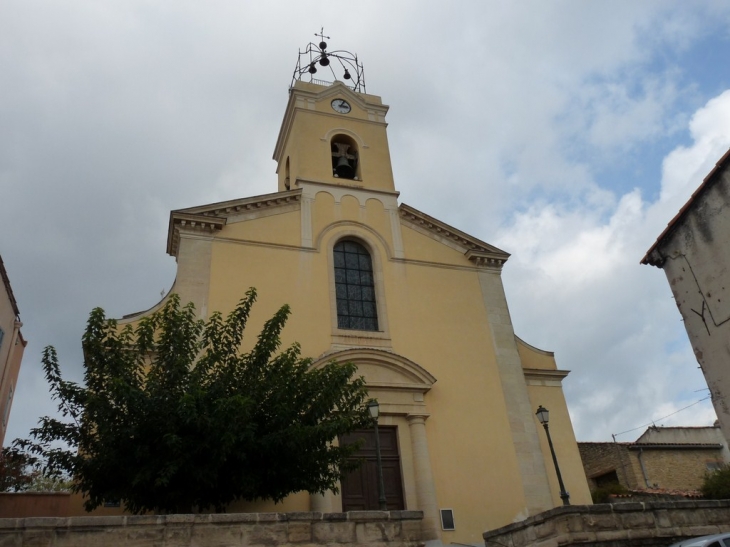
321 35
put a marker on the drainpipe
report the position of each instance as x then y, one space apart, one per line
643 469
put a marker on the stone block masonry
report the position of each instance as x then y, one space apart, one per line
359 528
654 524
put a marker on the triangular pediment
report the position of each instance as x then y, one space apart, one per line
213 216
476 250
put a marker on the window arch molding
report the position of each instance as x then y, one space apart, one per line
347 231
394 373
343 229
342 131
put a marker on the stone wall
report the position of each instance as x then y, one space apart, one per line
621 525
677 469
670 467
601 458
361 528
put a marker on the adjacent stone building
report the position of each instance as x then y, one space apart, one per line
12 346
662 459
694 252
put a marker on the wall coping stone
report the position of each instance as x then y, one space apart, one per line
572 522
303 515
203 519
334 517
44 522
406 515
31 494
297 529
367 515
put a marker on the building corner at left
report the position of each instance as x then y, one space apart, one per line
12 346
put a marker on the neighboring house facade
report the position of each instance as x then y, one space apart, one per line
416 304
12 346
694 252
663 458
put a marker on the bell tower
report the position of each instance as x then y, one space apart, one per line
333 132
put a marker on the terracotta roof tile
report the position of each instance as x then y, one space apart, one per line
706 183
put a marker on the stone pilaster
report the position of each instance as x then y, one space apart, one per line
519 410
320 502
425 489
193 272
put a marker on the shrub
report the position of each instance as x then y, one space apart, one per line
603 493
716 484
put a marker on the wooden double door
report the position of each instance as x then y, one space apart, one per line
360 487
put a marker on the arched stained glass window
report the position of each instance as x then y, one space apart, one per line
354 287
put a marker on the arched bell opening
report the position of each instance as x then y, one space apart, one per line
345 158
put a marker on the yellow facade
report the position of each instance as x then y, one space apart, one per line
444 362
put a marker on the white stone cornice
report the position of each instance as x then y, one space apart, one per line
486 260
359 191
212 217
543 377
226 208
186 222
480 253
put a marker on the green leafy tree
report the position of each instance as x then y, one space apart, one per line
716 484
15 470
174 417
23 472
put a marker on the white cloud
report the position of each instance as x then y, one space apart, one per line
686 166
610 318
503 113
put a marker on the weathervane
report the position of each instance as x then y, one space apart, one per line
317 54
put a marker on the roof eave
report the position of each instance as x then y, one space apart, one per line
653 257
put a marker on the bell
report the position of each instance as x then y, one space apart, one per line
344 169
347 75
324 61
312 69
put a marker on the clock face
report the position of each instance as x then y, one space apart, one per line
341 106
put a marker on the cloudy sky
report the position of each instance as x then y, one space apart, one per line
565 132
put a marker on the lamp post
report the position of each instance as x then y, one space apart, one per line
374 409
543 415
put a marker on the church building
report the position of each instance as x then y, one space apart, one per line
416 304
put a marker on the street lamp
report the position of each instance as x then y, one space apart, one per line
543 416
374 409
